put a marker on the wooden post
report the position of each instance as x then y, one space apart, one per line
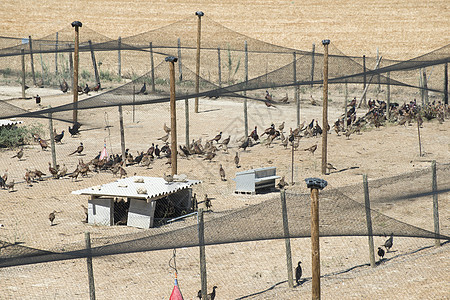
388 96
173 115
420 144
437 242
180 70
56 53
287 240
42 64
94 63
134 100
296 99
312 63
71 67
122 135
378 76
425 86
32 60
87 239
201 241
186 115
368 221
292 163
219 67
422 92
245 92
364 82
345 105
197 65
315 184
325 106
446 83
52 139
22 56
119 57
152 67
76 24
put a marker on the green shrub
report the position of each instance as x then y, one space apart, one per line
11 137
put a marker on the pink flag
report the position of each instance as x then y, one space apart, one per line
176 293
104 153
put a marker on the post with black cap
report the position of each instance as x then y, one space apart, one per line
325 107
315 184
199 14
77 25
173 117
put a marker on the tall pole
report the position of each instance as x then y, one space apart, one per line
199 14
446 83
52 139
94 63
22 56
437 242
32 60
180 70
219 67
186 115
388 95
201 241
345 105
245 93
119 58
152 67
315 184
287 240
325 106
364 81
312 63
87 239
77 25
173 117
56 53
296 99
368 221
122 135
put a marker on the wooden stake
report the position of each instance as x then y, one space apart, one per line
134 100
201 241
219 67
345 105
32 60
122 135
315 249
388 95
87 239
420 144
369 221
287 240
364 82
22 52
425 86
180 70
296 88
325 107
437 242
94 63
446 83
52 139
186 115
71 67
75 73
245 92
197 65
56 53
173 117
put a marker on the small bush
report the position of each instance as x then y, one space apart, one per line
14 136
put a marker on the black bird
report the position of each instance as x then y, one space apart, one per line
217 137
64 86
311 125
254 134
80 149
59 137
38 99
244 145
75 129
212 296
51 217
389 242
157 151
86 89
143 89
298 273
380 253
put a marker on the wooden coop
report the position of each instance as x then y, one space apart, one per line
254 180
138 201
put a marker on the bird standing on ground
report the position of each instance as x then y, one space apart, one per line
254 134
282 183
311 149
43 144
166 129
85 212
168 178
59 137
208 203
64 86
236 160
212 295
51 217
38 99
52 170
380 253
268 104
217 137
298 273
389 242
225 143
80 149
222 173
19 154
74 130
143 89
244 145
86 89
10 185
268 96
330 167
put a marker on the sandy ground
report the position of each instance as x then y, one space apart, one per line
242 269
251 270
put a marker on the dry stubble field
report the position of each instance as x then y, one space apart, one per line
401 30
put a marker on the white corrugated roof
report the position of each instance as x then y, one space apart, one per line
138 187
7 122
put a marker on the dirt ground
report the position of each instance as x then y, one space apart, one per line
251 270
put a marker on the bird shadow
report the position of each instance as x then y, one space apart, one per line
345 169
210 110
